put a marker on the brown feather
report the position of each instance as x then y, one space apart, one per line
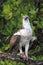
14 40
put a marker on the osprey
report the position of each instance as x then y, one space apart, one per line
22 36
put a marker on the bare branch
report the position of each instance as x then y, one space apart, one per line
18 59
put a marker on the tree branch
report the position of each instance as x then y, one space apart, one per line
18 59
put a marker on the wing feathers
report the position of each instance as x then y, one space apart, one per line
14 40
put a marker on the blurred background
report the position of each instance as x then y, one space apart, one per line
11 12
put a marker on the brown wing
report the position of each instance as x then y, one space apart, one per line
14 40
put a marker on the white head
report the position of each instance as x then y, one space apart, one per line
26 22
25 18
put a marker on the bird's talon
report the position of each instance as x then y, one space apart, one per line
24 57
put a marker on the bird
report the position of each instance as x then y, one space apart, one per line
22 37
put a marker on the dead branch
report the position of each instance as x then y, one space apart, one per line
4 55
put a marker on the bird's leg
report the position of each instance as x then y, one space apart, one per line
21 52
20 49
26 50
24 56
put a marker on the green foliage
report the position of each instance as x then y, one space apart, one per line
11 13
7 12
13 10
4 47
37 57
7 62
